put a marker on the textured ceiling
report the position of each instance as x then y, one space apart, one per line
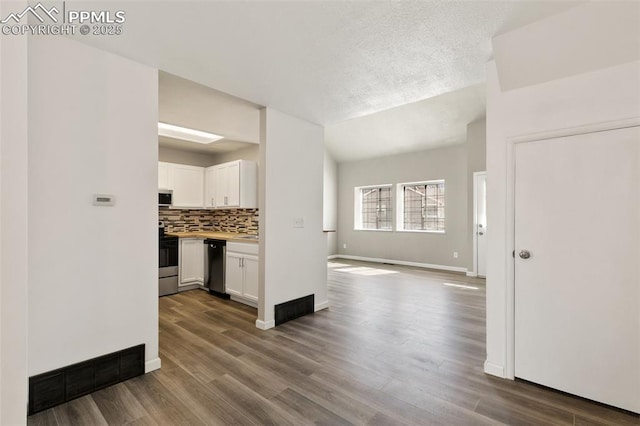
421 125
322 61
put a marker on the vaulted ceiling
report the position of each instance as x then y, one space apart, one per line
324 61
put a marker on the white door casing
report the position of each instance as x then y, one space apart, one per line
577 297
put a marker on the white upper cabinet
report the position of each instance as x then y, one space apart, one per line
210 187
165 176
220 173
228 185
188 186
187 183
233 185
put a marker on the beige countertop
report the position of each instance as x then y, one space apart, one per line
228 236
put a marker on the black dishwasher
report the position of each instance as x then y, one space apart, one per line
216 254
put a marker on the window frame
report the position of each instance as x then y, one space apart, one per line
357 208
400 206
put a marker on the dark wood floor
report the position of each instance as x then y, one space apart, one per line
397 346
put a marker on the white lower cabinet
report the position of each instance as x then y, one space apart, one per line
234 278
192 261
241 277
250 288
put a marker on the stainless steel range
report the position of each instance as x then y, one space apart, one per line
168 262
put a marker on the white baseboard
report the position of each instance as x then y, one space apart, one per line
265 325
333 256
403 263
321 306
471 274
189 287
494 369
244 301
152 365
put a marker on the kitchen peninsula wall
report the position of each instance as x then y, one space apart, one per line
224 220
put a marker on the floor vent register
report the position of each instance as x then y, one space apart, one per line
55 387
293 309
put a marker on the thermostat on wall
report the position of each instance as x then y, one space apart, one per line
103 200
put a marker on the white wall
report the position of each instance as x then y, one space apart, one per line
93 286
187 103
593 36
448 163
13 225
250 153
201 159
170 155
604 95
292 260
330 203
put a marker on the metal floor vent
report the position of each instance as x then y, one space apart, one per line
293 309
55 387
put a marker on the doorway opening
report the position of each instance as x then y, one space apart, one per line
480 224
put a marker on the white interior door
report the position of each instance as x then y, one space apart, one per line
480 222
577 297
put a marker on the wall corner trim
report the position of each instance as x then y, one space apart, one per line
265 325
321 306
151 365
494 369
404 263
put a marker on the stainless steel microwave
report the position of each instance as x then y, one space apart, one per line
165 197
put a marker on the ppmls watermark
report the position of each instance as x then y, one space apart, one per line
58 20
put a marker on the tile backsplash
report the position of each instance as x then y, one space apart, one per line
227 220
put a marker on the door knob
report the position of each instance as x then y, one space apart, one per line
524 254
480 233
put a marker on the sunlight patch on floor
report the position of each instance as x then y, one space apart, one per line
363 270
469 287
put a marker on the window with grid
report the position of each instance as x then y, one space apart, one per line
373 208
423 206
